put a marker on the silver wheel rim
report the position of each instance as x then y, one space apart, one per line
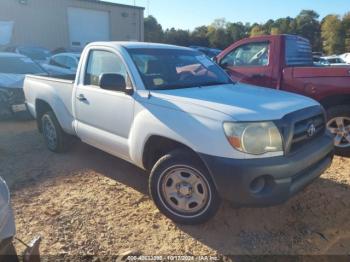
340 128
184 191
49 132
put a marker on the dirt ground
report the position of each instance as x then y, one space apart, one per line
86 202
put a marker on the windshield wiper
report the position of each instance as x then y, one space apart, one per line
176 87
214 84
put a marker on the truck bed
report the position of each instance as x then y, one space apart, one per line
59 78
57 91
314 71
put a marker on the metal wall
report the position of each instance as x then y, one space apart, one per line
45 22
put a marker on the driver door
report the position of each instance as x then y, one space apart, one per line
104 117
250 63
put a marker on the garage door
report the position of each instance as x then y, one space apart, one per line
87 26
5 32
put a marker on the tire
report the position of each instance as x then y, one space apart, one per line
182 189
56 139
337 115
8 251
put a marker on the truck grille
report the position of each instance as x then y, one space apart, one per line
307 130
301 127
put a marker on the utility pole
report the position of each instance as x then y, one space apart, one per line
148 6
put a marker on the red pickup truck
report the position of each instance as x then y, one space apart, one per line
285 62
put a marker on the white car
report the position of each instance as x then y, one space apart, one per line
346 57
332 61
63 63
172 111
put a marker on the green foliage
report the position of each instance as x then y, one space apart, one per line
331 35
275 31
308 26
236 31
257 30
346 32
177 37
199 36
153 30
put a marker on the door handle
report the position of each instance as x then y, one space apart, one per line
81 98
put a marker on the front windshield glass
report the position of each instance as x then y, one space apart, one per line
173 68
35 53
19 65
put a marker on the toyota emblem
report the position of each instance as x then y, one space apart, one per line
311 130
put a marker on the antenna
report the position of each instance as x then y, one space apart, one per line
148 7
135 19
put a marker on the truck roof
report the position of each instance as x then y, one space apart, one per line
138 45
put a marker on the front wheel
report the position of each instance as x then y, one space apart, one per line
182 189
339 125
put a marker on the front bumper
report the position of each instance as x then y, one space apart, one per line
270 181
12 101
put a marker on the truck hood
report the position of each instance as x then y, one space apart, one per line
241 102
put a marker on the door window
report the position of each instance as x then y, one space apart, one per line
102 62
252 54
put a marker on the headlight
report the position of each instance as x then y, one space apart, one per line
254 138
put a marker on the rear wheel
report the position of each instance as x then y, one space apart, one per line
182 189
339 125
56 139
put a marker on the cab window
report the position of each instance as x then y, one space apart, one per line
252 54
102 62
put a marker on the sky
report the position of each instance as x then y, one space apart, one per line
188 14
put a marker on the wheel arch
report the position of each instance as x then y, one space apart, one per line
157 146
335 100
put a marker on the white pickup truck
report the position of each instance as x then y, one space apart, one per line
174 112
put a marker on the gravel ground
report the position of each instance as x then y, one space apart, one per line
86 202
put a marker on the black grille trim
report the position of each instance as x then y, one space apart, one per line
293 127
300 136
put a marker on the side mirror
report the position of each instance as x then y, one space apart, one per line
113 82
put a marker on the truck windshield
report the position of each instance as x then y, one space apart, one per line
173 68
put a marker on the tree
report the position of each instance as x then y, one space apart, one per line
217 34
285 25
236 31
268 26
275 31
218 37
177 37
308 26
346 32
153 30
199 36
257 30
219 23
332 35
